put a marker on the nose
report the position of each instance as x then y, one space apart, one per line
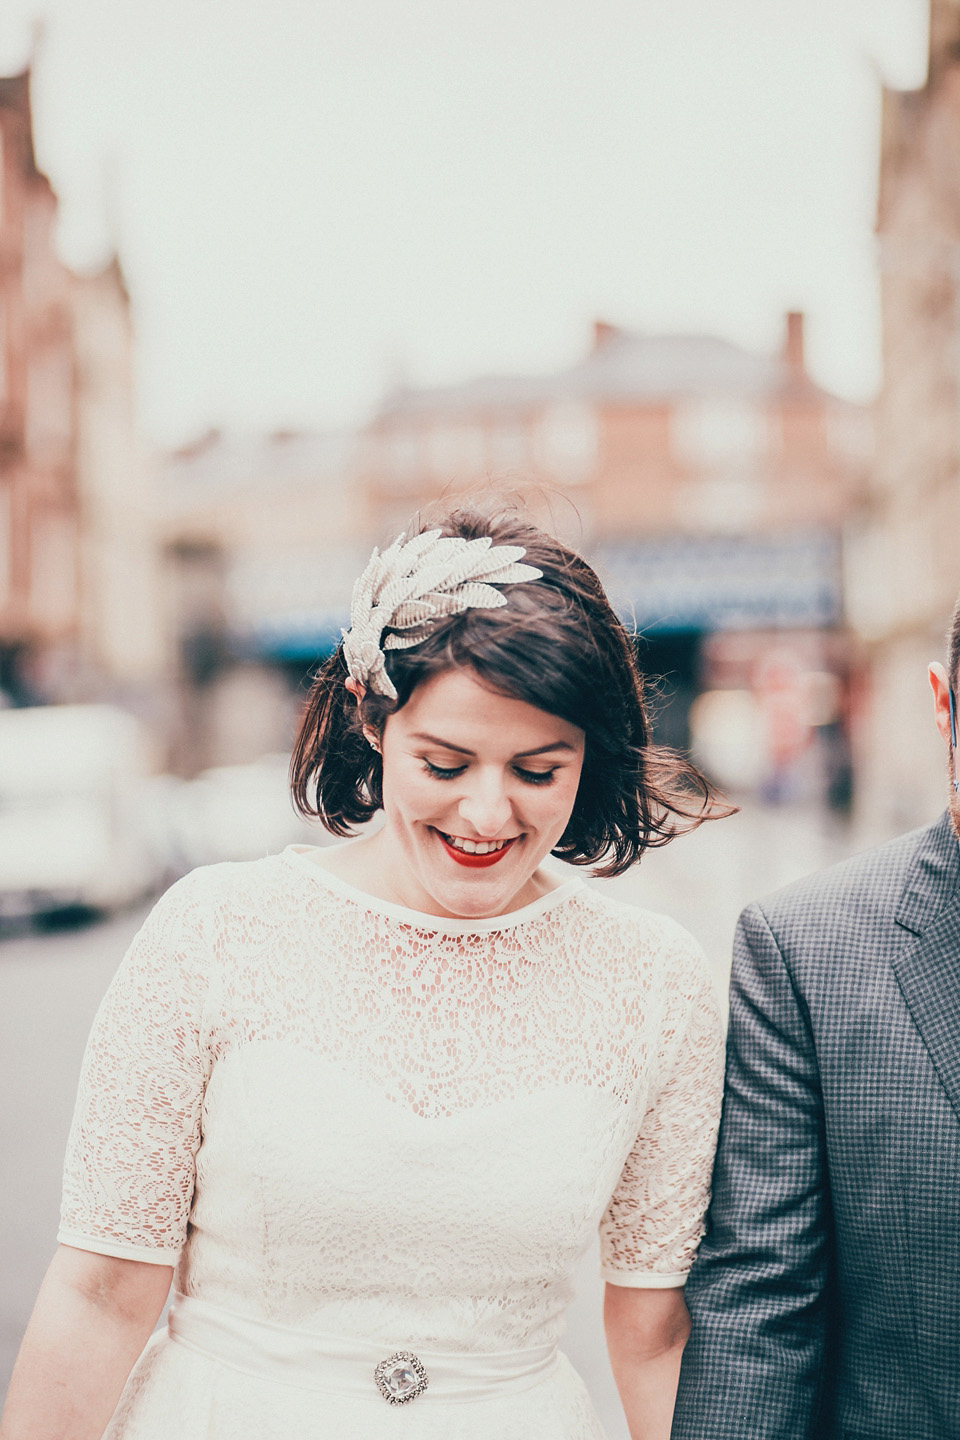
486 805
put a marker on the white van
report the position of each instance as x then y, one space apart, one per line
73 782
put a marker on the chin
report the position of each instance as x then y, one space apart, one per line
475 894
474 898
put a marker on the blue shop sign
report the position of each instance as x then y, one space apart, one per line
725 583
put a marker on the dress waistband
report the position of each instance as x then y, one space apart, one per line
357 1368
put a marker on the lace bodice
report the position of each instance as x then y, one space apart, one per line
331 1112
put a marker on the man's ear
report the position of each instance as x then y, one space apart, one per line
940 685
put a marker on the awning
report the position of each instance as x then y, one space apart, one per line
725 582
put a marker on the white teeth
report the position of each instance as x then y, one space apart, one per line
473 847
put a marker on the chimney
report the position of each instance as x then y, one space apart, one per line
793 344
603 333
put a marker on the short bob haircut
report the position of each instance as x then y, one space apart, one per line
558 645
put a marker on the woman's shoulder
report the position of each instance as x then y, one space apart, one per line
210 919
653 958
229 887
639 945
651 973
634 921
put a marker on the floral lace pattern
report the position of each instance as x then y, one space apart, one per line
334 1114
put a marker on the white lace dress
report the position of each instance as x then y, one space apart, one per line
347 1123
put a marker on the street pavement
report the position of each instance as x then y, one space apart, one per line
50 986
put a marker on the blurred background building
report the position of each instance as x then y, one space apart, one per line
788 556
39 488
903 559
261 538
788 577
79 617
710 485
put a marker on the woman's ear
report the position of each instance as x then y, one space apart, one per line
358 691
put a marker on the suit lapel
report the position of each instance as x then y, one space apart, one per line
928 969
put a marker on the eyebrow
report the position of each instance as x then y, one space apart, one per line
521 754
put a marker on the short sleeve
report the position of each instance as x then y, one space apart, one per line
652 1227
130 1164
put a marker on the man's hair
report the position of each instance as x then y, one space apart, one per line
558 645
953 647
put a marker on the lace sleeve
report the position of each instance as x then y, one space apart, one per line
129 1171
654 1223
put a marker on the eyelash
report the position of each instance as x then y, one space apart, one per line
529 777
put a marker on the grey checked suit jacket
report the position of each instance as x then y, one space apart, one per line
826 1296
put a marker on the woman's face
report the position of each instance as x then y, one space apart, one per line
477 789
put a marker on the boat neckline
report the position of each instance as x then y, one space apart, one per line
299 855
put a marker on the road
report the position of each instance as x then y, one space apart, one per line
50 986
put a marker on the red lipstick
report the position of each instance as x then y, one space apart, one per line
475 862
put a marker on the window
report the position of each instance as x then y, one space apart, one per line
53 570
724 504
455 450
49 405
509 445
401 448
42 278
568 442
850 434
6 544
719 433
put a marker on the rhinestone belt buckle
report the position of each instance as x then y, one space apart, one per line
401 1378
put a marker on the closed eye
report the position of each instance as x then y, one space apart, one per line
535 777
440 773
529 777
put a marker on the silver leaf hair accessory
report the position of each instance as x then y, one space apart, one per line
418 581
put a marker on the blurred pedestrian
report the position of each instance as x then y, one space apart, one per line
824 1298
371 1100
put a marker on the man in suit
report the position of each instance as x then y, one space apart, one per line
826 1296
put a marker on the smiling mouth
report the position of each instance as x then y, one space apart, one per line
480 852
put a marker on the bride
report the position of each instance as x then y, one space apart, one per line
365 1105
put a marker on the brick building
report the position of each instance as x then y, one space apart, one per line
123 649
904 561
79 580
648 435
39 541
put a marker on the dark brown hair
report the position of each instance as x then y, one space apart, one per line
558 645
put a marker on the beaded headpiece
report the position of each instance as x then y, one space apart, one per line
418 581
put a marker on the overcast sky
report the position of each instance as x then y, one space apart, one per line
314 198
